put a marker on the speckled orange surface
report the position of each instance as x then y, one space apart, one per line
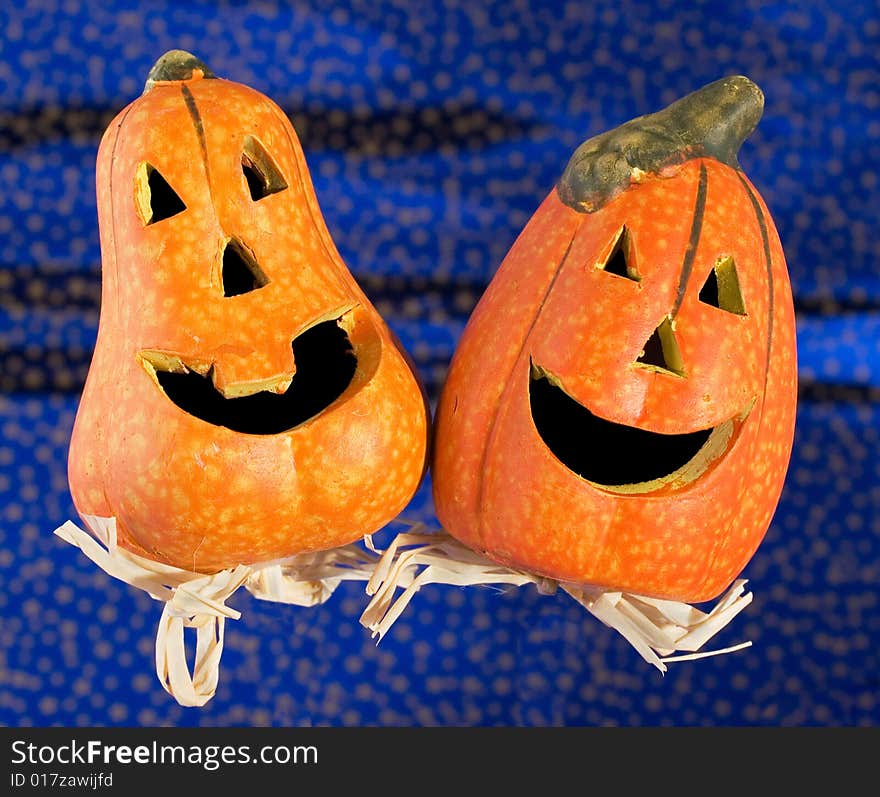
184 491
499 488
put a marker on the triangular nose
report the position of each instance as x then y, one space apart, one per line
661 351
240 272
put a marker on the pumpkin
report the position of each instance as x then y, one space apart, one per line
620 408
245 401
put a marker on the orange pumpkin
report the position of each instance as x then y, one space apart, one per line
620 409
245 401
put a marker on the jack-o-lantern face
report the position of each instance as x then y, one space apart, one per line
245 400
620 409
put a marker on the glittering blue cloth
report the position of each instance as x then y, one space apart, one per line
432 131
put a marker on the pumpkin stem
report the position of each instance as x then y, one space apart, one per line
176 65
711 122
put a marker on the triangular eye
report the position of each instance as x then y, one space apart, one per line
721 288
155 198
262 175
240 273
618 261
661 352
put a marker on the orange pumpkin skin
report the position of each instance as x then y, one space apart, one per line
193 493
552 309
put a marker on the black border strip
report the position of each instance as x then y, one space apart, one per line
518 759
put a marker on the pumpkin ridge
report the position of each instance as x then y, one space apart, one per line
694 238
113 216
768 260
199 126
489 438
715 555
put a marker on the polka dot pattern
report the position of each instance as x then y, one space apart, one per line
432 132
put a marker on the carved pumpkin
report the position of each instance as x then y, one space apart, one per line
620 409
245 401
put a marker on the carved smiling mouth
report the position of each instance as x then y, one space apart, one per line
325 366
617 457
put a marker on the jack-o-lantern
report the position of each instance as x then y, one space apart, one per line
245 401
620 409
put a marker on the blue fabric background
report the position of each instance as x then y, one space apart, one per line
432 131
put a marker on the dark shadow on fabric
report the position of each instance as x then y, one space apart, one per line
373 133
